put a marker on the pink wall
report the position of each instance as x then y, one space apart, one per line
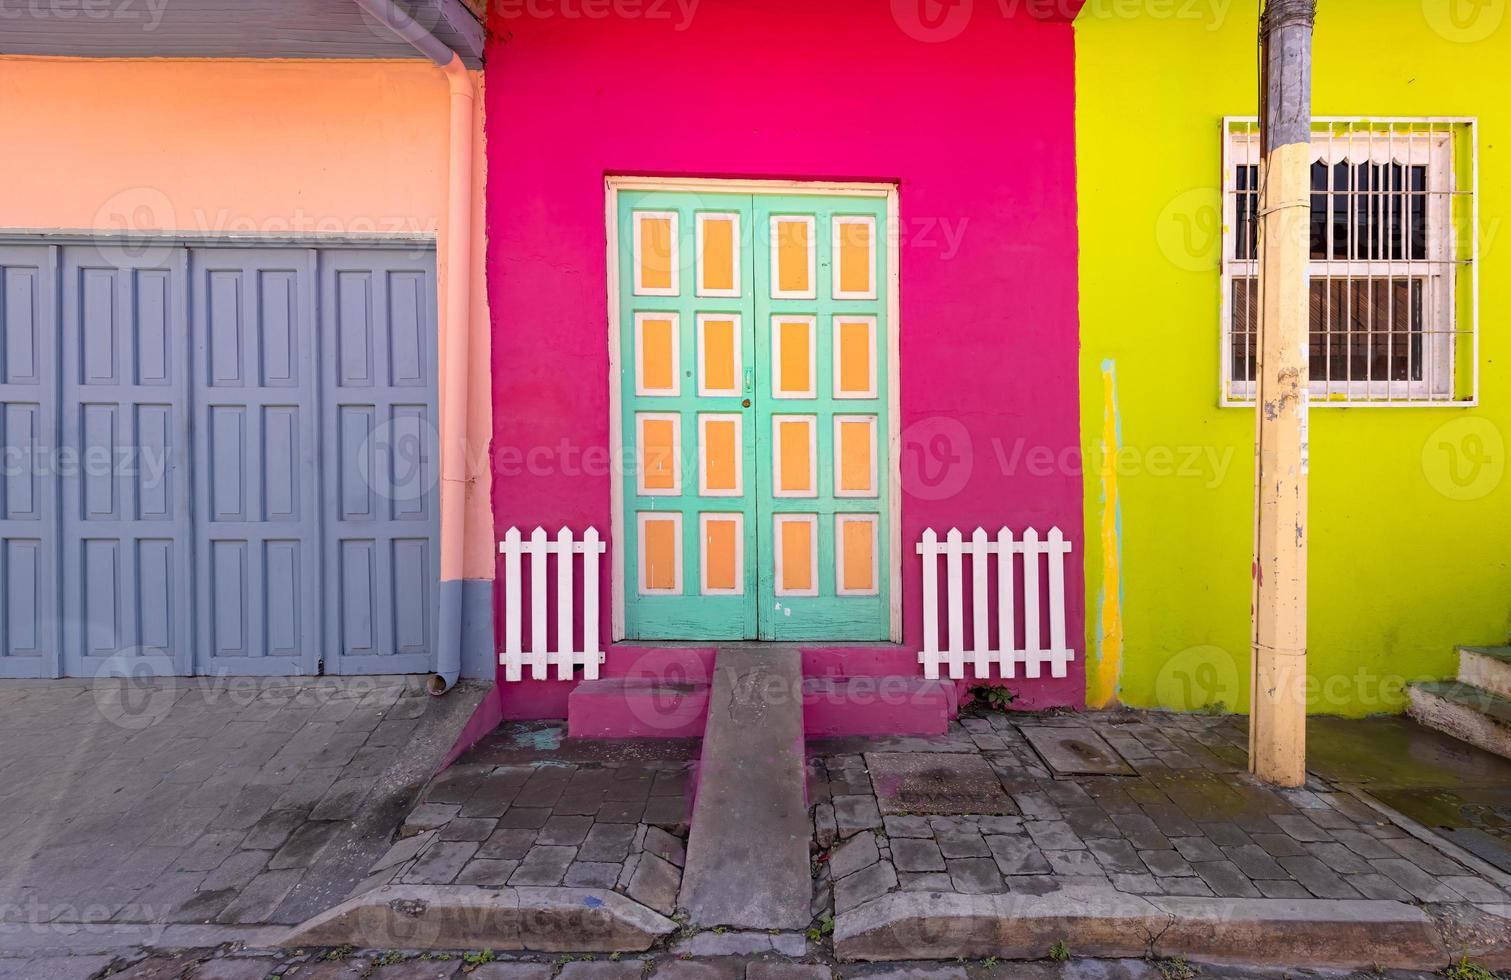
978 131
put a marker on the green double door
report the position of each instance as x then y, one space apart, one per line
754 385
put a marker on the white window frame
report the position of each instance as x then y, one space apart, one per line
1332 144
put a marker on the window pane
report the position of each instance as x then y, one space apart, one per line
1246 209
1366 330
1319 210
1245 327
1361 330
1373 213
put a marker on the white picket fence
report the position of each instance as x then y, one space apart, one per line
986 649
540 657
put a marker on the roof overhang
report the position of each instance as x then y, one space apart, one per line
314 29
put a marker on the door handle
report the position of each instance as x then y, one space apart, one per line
749 382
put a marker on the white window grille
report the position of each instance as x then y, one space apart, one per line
564 653
1393 274
999 609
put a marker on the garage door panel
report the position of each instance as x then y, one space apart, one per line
358 458
125 526
29 644
408 334
412 567
354 330
380 415
158 564
224 455
409 464
30 641
359 600
253 326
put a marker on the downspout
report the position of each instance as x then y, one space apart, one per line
457 324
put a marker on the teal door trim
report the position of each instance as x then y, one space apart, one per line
679 609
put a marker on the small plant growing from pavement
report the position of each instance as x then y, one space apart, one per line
341 952
1176 968
825 927
992 698
477 958
1059 952
1467 969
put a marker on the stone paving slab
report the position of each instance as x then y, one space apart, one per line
388 964
577 815
190 800
1182 820
553 919
747 857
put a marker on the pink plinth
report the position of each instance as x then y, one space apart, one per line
876 705
633 707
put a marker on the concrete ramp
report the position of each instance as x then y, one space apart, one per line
747 858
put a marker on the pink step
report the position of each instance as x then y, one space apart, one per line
876 705
638 707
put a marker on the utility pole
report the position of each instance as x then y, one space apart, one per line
1277 718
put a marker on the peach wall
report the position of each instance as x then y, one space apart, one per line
210 147
214 146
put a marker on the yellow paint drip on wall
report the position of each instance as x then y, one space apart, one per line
1107 662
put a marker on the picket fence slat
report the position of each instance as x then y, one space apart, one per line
1034 654
541 657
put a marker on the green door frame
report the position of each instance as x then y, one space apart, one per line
715 617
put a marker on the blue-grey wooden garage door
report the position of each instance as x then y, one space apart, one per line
222 459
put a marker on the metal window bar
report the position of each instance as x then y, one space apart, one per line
1389 207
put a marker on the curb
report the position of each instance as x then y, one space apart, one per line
1100 922
547 919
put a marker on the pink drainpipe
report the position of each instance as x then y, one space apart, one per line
453 382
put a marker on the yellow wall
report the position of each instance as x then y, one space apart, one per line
1409 555
254 147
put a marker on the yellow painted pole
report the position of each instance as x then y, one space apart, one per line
1277 719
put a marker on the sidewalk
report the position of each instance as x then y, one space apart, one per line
1124 839
1146 832
200 800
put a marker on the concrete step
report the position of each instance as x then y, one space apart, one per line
747 856
897 705
637 707
1488 668
1469 714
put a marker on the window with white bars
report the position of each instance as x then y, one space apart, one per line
1392 244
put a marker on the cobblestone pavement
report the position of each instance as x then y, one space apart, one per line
179 800
522 808
1185 819
347 964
